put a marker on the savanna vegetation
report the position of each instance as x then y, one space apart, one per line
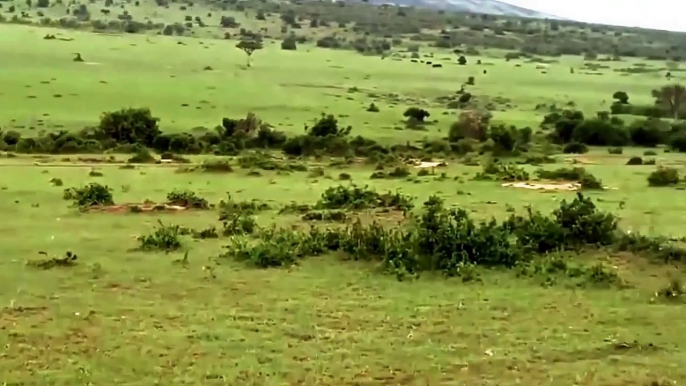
337 193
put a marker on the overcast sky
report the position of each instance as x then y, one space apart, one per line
659 14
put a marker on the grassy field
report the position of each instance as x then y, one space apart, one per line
129 317
43 88
124 316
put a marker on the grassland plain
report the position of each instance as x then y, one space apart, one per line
123 316
285 88
128 317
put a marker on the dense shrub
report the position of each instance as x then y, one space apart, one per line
470 125
131 125
648 133
187 199
165 238
354 197
416 113
142 156
663 176
635 161
93 194
289 44
600 132
575 148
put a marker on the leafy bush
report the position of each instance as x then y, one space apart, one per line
187 199
289 44
131 125
635 161
416 113
586 179
93 194
165 238
663 176
648 133
238 224
575 148
142 156
326 215
584 224
354 197
207 233
217 166
502 172
657 247
600 132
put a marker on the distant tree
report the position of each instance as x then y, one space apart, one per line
621 97
672 98
288 18
462 60
228 22
249 47
314 23
260 15
29 4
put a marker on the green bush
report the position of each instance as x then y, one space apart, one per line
355 198
575 148
165 238
216 166
663 176
93 194
615 150
238 224
142 156
131 125
635 161
187 199
325 215
502 172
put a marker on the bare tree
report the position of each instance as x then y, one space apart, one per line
249 46
671 97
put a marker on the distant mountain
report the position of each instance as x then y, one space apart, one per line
492 7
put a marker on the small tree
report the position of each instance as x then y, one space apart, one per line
462 60
621 97
249 46
671 97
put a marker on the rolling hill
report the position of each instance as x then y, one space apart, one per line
492 7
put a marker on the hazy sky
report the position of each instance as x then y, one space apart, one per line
660 14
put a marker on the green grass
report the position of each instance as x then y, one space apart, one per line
124 316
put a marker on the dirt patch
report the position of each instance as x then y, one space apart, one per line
137 208
545 186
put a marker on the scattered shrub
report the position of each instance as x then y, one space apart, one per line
142 156
354 197
165 238
575 148
635 161
615 150
663 176
187 199
93 194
